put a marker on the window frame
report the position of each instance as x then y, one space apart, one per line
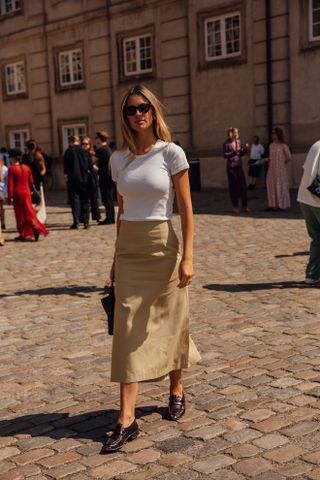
228 60
222 18
70 123
12 129
15 11
306 43
70 53
122 37
16 91
5 92
136 39
69 49
311 37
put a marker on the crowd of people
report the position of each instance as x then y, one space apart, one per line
88 178
276 156
89 183
21 177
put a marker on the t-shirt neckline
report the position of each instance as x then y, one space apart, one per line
159 143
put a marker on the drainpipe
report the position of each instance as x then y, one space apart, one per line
269 67
115 113
50 100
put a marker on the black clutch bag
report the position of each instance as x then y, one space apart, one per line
35 196
108 302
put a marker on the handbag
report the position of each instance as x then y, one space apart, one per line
35 196
314 186
108 302
41 211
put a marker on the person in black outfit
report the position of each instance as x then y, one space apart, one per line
103 154
87 145
77 168
34 159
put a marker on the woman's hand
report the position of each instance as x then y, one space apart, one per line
186 273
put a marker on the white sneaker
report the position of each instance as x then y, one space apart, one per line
312 281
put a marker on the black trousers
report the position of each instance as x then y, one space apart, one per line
94 197
237 186
79 202
107 196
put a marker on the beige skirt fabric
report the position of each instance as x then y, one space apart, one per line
151 331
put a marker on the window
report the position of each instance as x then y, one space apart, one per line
223 36
78 129
8 6
70 67
137 55
314 20
15 78
18 138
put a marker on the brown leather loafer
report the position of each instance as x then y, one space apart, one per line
177 407
120 436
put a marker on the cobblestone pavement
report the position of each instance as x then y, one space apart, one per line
253 401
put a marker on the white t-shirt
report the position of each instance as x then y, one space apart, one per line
310 169
256 151
146 182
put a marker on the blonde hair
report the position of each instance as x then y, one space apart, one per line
160 128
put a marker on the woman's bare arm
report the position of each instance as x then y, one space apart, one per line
118 222
182 188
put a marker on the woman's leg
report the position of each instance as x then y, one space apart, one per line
127 428
175 383
177 401
242 188
128 396
233 188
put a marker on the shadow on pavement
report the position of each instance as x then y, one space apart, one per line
252 287
91 426
296 254
216 201
73 290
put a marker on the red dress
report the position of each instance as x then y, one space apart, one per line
19 183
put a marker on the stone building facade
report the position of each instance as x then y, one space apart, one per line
214 63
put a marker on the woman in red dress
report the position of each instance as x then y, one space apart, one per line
19 183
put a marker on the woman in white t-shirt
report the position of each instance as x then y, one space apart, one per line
310 206
151 332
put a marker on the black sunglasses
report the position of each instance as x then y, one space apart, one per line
131 110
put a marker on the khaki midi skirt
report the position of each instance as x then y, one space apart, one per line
151 330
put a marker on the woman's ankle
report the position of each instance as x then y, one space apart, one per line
176 390
126 420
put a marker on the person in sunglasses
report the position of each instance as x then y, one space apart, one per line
106 184
151 325
93 180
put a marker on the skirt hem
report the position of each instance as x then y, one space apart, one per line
154 377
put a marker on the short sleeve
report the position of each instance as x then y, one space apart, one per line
177 160
114 167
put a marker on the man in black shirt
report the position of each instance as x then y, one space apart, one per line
103 154
77 168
